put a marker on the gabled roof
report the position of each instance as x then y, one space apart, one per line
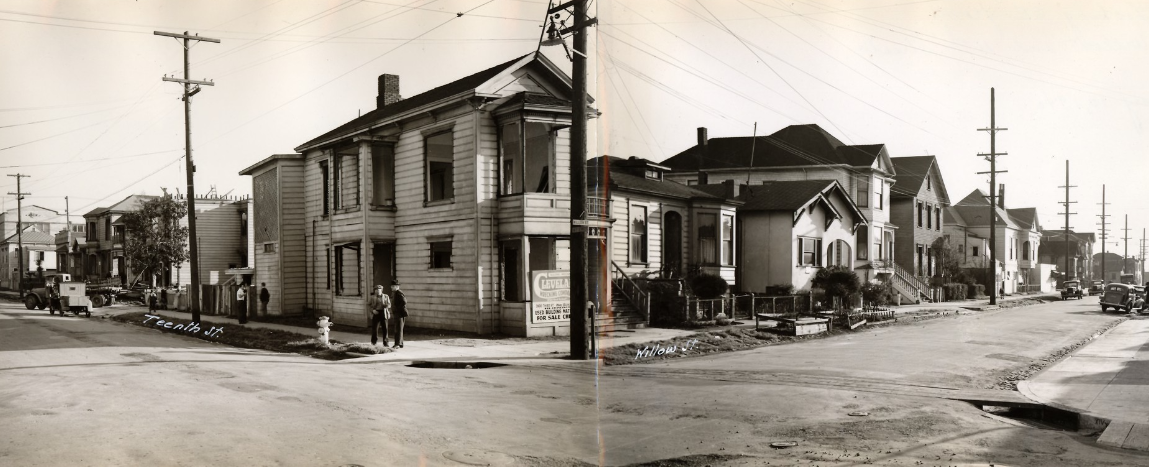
473 84
912 173
795 145
1025 217
129 204
32 236
976 216
782 195
953 217
620 180
1059 234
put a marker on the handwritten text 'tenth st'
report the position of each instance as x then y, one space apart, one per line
190 328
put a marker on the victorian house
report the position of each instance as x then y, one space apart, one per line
806 152
462 193
917 201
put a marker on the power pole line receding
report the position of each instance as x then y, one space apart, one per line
193 291
1104 237
992 158
20 233
1067 202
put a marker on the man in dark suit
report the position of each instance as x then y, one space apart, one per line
400 303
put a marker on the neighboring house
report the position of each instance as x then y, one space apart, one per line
1080 247
1031 273
35 217
791 229
39 256
1017 238
221 225
69 250
668 227
458 192
973 249
805 152
919 196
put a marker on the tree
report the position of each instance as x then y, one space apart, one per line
154 237
949 260
838 281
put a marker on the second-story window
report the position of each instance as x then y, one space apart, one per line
919 214
118 233
91 233
383 175
527 153
880 195
346 177
727 240
325 175
938 218
929 218
439 165
638 236
863 191
107 228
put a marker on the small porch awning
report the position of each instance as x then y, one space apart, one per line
240 271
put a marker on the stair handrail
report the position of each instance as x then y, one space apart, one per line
638 298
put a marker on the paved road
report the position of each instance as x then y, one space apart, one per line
82 391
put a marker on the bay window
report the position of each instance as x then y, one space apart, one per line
526 152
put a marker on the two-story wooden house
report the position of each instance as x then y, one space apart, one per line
805 152
459 192
1017 238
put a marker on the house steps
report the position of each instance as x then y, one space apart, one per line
909 286
621 316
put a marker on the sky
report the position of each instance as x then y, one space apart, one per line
84 112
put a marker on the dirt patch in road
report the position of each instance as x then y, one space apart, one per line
1008 378
730 339
257 338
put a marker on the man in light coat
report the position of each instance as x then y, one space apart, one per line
379 306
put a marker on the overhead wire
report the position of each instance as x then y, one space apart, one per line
631 108
764 62
341 75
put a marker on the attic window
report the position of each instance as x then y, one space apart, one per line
653 174
929 184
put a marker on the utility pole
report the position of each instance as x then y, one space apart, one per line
1067 202
19 233
580 329
1125 257
193 291
1104 238
992 158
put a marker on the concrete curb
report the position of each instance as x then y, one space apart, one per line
1085 419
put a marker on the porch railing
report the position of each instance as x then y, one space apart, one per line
909 282
638 298
598 208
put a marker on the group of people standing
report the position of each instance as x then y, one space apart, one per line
241 301
383 308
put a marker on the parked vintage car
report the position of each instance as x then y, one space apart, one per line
1119 297
1072 289
1097 287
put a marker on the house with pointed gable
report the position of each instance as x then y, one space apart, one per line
805 152
790 229
1017 240
461 193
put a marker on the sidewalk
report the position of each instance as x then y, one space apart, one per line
435 349
1106 379
980 304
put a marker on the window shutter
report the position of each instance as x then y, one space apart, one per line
801 248
818 251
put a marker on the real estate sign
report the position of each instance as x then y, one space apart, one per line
550 296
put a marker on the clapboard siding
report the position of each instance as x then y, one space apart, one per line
292 231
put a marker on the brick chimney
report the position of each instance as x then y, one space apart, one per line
703 153
388 91
1001 195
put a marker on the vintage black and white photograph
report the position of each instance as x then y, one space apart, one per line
574 233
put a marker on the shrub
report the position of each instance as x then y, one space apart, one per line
838 282
955 291
665 304
975 291
707 286
879 293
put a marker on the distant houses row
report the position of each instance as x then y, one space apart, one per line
463 193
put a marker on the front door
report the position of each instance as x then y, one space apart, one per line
383 265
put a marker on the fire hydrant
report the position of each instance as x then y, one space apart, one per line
324 329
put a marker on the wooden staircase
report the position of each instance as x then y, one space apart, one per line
629 306
620 315
911 287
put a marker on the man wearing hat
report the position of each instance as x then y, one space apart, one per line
400 312
379 305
